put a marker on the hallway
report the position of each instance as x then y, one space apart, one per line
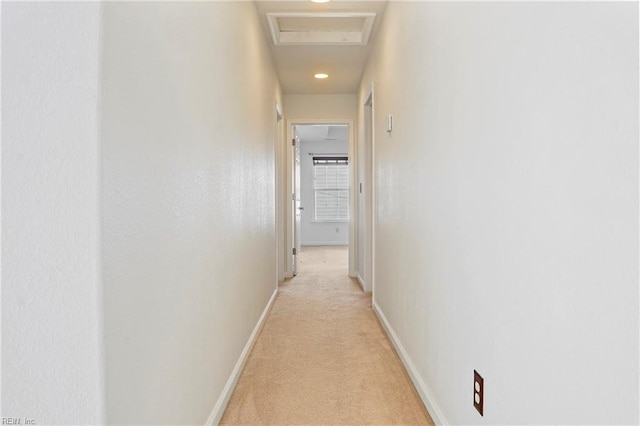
322 357
149 208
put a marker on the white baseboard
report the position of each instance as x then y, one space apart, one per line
324 243
423 390
223 400
360 280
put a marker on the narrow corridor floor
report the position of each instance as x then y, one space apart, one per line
322 357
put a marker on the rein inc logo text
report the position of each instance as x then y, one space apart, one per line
18 421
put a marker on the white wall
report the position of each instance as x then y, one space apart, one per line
507 213
52 359
188 194
320 106
318 233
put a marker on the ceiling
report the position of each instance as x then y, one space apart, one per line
307 52
322 133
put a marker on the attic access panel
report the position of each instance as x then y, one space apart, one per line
320 28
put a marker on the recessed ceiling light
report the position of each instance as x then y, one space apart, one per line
321 75
320 1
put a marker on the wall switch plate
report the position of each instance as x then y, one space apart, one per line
478 392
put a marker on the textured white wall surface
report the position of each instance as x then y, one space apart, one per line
507 214
312 232
188 197
320 106
52 359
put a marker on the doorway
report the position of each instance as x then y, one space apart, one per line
321 181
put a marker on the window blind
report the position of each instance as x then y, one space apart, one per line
331 187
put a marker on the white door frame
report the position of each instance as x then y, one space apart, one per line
280 200
288 234
295 205
366 161
371 205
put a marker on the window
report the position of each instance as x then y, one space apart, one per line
331 188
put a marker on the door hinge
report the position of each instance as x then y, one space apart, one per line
295 251
293 197
293 142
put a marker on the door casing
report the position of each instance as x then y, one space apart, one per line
280 200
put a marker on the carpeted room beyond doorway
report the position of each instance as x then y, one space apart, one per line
322 357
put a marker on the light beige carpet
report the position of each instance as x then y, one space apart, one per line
322 357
